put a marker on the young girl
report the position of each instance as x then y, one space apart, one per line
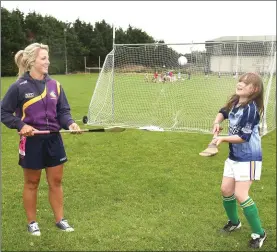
244 164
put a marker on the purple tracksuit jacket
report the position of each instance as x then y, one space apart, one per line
41 104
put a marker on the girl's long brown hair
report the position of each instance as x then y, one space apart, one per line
257 96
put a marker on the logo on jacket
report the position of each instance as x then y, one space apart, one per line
29 95
53 95
24 82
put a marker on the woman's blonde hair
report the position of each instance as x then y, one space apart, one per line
24 59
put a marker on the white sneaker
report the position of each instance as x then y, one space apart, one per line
64 226
33 228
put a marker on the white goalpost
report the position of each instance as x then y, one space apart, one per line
92 69
179 87
268 122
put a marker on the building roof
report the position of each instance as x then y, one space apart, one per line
244 38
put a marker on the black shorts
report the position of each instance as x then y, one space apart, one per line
41 151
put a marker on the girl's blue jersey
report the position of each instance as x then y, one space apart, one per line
244 122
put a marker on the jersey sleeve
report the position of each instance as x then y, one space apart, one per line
249 119
9 104
224 112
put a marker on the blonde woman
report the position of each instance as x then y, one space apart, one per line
39 103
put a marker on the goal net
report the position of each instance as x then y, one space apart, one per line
179 87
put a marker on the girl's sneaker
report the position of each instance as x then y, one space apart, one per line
257 240
230 227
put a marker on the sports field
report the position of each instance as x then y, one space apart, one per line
133 191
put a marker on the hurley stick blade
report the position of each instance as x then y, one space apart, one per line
210 151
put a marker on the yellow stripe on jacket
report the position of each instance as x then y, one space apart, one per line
32 101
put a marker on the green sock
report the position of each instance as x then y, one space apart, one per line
230 205
250 211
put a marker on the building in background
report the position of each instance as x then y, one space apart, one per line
239 54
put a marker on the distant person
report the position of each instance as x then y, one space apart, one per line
155 77
146 79
163 77
170 76
38 102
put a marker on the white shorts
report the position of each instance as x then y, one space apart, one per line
242 171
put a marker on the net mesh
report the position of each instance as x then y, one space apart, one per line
145 85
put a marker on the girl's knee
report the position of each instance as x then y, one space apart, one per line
226 191
241 197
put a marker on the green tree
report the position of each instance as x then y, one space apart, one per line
137 36
71 41
13 39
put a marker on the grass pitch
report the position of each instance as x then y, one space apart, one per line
135 190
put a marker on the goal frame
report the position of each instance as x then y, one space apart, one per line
263 123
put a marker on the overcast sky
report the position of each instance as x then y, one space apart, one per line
171 21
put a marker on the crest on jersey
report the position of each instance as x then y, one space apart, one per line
53 95
247 128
